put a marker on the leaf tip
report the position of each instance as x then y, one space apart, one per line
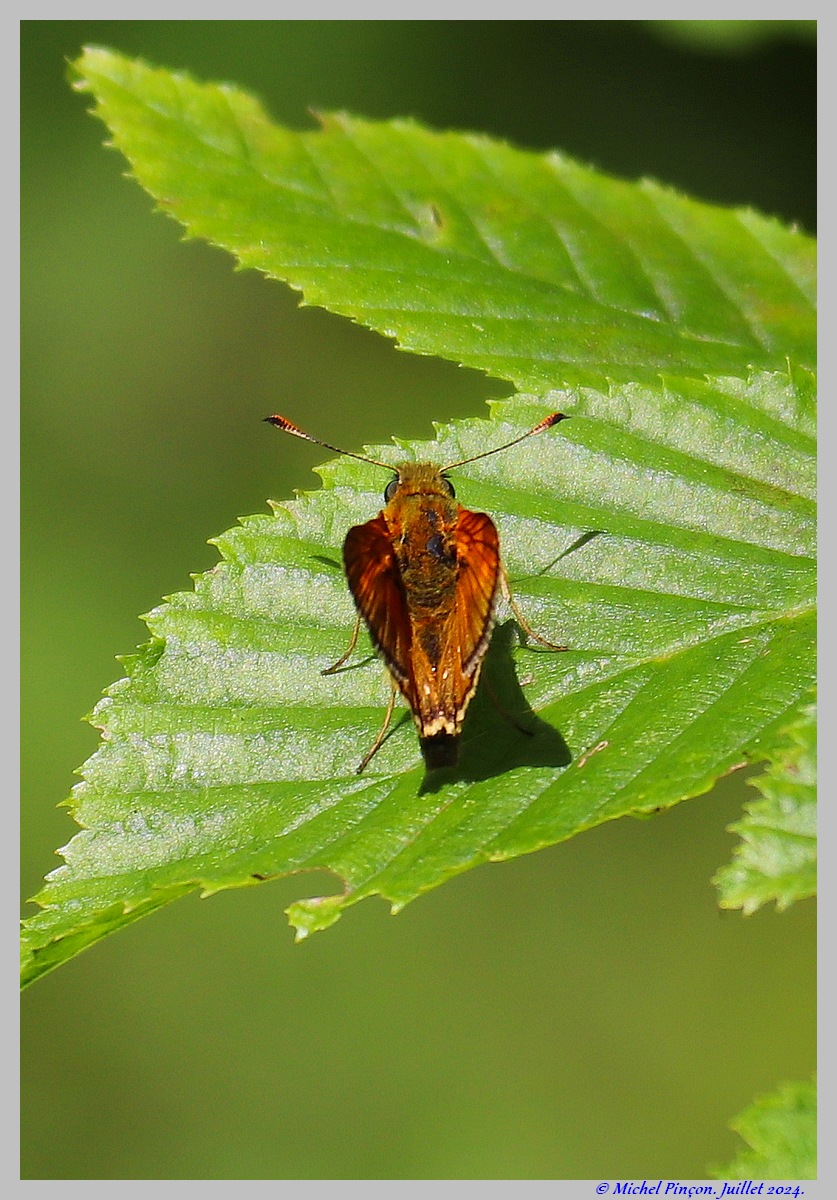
310 916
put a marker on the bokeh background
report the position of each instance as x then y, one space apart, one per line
585 1012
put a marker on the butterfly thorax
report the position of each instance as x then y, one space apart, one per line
422 519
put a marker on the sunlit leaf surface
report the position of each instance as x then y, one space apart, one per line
665 534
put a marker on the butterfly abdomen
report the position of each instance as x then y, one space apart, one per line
440 750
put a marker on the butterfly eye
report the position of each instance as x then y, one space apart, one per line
392 488
449 487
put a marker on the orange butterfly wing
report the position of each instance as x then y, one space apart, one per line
477 587
375 582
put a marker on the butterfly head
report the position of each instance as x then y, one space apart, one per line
418 479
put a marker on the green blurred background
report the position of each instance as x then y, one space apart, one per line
585 1012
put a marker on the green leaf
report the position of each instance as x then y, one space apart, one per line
777 857
666 534
528 266
781 1130
682 583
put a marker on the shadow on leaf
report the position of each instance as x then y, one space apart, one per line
501 731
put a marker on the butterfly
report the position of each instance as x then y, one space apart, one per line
426 577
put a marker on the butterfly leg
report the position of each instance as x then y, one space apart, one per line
376 745
336 666
521 620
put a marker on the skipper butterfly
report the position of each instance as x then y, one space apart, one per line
426 578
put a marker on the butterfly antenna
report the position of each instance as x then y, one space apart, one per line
546 423
289 427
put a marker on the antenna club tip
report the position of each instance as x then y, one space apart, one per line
282 423
553 419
